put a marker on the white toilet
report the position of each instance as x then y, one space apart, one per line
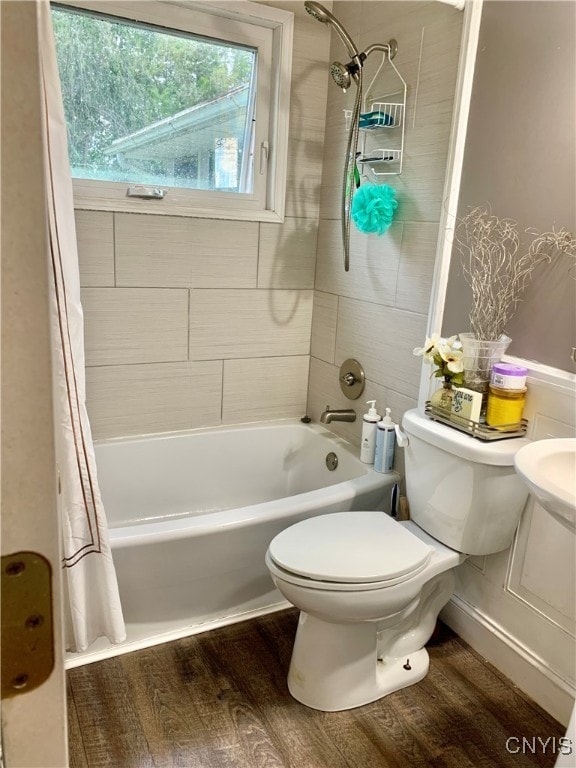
369 588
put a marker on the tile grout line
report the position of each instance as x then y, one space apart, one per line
114 248
189 316
222 395
417 88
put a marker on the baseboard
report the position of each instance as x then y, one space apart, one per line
139 636
526 670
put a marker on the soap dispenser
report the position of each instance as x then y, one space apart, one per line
385 444
368 444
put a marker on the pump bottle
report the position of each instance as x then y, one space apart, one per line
368 444
385 444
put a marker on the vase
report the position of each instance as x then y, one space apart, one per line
478 357
442 398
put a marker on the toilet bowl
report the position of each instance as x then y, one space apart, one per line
369 588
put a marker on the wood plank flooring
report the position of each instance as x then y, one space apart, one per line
219 700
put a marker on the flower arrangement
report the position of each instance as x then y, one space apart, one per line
498 268
446 354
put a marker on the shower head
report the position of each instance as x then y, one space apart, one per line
318 12
343 74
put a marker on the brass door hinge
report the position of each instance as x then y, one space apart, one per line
27 635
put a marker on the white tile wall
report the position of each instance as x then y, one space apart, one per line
287 254
424 172
182 314
227 324
135 325
377 311
173 251
373 263
416 267
382 339
264 388
307 111
325 390
161 397
164 295
305 151
323 341
95 236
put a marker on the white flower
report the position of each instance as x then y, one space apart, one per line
430 347
453 358
453 342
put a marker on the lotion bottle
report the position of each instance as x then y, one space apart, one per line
385 444
368 444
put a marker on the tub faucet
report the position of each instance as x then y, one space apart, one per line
346 414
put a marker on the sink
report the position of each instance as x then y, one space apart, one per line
548 467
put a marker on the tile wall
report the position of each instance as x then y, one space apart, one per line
196 322
377 312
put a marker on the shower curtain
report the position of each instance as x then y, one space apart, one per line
93 607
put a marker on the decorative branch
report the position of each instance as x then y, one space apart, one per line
488 248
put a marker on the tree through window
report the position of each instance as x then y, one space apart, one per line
153 106
187 97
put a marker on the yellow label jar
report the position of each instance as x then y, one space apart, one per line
505 406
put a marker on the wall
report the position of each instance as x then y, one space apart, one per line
377 311
517 608
196 322
191 322
521 158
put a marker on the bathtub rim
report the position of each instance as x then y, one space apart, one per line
138 534
224 428
169 529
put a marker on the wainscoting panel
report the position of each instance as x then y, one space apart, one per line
534 577
519 609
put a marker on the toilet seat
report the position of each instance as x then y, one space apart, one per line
348 551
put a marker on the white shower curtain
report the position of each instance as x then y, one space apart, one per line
93 607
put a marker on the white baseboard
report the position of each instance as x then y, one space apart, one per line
526 670
143 635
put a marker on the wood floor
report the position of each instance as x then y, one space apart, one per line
219 700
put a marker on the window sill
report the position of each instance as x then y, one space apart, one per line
174 208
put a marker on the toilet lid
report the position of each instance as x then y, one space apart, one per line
349 547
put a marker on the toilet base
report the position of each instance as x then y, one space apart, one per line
335 666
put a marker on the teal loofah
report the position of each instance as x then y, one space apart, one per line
373 207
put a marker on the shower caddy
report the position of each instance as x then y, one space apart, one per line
384 118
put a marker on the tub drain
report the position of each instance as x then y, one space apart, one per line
331 461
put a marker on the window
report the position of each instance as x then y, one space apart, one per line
172 108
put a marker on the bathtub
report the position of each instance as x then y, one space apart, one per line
191 515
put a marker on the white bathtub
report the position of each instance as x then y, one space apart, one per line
191 516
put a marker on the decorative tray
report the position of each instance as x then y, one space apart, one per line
474 428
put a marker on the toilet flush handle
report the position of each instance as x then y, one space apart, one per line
401 437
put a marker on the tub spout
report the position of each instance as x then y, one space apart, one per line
347 414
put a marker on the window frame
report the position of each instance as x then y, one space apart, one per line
268 29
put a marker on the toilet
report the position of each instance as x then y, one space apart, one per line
369 588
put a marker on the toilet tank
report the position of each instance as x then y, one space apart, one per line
462 491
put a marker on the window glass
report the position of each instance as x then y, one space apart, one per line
152 106
178 108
